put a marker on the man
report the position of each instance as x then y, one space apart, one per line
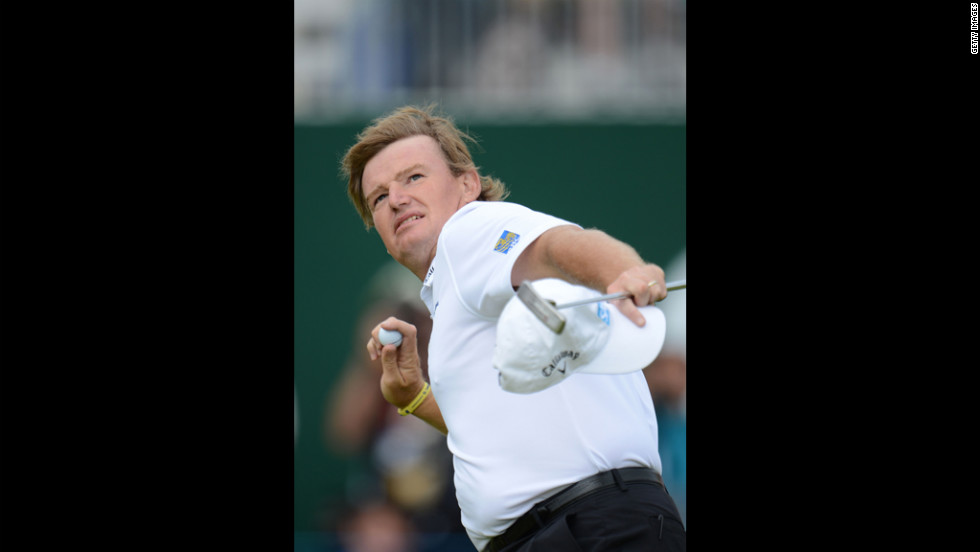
574 463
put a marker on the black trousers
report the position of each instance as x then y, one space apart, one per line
634 516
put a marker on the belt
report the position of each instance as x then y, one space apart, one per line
543 512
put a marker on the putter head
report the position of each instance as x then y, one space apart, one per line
542 308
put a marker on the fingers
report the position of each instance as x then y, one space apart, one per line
401 373
409 343
389 366
645 284
630 311
657 290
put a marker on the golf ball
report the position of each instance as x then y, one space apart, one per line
389 337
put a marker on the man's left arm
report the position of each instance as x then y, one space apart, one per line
594 259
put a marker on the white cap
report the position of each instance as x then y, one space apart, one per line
597 339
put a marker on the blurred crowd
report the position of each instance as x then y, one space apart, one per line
399 494
554 58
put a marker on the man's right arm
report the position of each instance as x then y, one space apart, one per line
401 372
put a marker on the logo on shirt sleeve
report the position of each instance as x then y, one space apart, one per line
506 241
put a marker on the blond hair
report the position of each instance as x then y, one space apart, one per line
405 122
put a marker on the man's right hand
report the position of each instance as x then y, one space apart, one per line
401 372
401 369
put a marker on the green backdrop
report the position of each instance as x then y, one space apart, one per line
628 180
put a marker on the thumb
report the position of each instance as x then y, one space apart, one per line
389 364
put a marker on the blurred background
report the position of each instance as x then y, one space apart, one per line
502 60
579 106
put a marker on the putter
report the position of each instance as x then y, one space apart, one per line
547 311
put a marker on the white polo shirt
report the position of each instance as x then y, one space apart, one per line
511 451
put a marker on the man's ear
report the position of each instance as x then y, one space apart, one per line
472 187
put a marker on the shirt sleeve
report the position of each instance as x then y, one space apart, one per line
481 246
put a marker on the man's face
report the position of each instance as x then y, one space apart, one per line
412 193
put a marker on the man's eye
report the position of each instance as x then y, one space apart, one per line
378 199
415 177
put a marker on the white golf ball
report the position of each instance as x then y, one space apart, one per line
389 337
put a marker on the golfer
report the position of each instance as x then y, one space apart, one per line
572 466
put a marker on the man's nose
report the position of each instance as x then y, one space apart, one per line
397 196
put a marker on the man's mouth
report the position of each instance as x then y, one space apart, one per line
408 220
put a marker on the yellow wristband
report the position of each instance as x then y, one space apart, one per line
415 402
